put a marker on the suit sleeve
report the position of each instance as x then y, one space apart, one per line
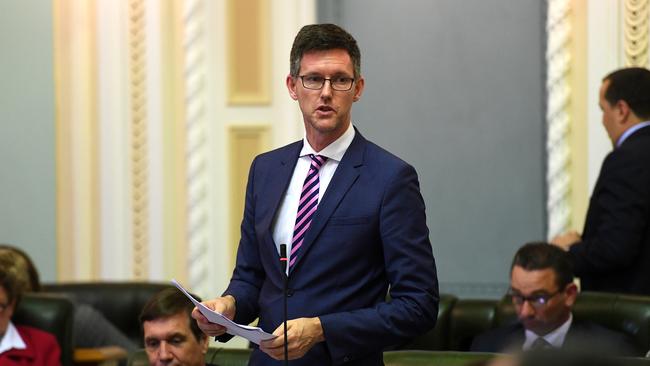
248 275
411 270
615 238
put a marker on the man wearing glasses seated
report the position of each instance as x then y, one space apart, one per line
543 294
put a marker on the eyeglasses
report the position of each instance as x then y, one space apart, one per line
536 301
316 82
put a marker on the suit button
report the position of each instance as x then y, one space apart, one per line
289 292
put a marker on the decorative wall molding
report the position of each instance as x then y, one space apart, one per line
139 146
248 50
636 16
558 59
244 142
194 49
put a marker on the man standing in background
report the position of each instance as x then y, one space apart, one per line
613 253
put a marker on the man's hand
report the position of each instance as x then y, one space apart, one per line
302 333
224 305
566 240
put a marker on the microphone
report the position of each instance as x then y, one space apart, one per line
284 261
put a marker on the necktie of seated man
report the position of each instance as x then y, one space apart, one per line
307 205
540 344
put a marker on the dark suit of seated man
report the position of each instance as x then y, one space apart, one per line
543 293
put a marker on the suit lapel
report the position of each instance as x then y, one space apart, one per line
277 181
346 174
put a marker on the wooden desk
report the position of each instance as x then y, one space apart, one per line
102 356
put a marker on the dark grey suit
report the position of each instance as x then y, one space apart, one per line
582 336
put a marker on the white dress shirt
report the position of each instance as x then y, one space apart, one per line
286 216
11 339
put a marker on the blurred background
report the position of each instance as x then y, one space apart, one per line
127 127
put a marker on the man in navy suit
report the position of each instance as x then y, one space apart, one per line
613 253
543 294
353 218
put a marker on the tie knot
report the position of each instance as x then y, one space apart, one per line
540 343
317 161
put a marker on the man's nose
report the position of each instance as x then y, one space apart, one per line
326 90
527 309
164 351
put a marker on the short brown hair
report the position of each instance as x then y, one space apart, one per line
14 276
541 255
167 303
322 37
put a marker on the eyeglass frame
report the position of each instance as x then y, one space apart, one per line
536 301
351 80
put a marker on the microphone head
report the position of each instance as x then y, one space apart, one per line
283 256
283 251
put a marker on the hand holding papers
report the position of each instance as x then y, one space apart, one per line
253 334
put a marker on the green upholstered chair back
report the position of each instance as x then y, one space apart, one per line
437 338
627 314
435 358
120 302
215 356
470 317
51 313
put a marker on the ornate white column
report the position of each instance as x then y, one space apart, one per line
558 60
139 156
196 145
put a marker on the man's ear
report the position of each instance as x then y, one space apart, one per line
571 293
359 85
291 86
622 111
205 343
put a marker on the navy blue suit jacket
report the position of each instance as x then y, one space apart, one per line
614 254
368 232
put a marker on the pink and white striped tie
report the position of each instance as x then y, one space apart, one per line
307 205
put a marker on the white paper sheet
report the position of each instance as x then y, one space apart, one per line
253 334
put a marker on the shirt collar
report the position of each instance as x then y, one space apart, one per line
554 338
333 151
11 339
630 131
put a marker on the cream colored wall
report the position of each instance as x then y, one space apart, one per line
161 107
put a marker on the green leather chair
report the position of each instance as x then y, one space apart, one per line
216 356
470 317
51 313
437 338
435 358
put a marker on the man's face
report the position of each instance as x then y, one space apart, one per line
6 311
326 112
611 115
540 284
170 341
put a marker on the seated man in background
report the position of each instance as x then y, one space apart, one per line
21 345
91 328
543 293
171 336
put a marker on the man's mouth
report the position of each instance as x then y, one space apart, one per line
325 109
